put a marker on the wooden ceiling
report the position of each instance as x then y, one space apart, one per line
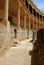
13 9
13 6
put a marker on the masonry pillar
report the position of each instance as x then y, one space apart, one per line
19 31
25 23
36 25
36 21
39 21
33 22
6 19
6 9
30 34
19 16
42 25
29 24
33 26
42 22
34 32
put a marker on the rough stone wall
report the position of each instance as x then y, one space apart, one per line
19 32
39 46
2 32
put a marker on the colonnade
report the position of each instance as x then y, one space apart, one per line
6 13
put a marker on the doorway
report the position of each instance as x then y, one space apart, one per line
15 33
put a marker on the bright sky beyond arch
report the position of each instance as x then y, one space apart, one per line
39 4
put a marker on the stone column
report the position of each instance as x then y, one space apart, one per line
36 25
39 25
19 16
33 26
29 21
18 31
33 22
6 9
29 24
39 22
6 19
28 27
36 22
25 23
42 21
34 31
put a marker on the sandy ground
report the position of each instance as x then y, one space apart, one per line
18 55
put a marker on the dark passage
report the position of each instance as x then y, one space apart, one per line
15 33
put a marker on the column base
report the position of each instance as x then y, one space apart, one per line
6 23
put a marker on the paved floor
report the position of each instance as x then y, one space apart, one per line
18 55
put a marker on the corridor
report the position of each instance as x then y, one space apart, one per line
18 55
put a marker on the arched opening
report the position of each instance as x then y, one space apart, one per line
34 12
41 17
30 8
37 15
26 3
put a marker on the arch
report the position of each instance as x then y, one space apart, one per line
30 8
34 12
